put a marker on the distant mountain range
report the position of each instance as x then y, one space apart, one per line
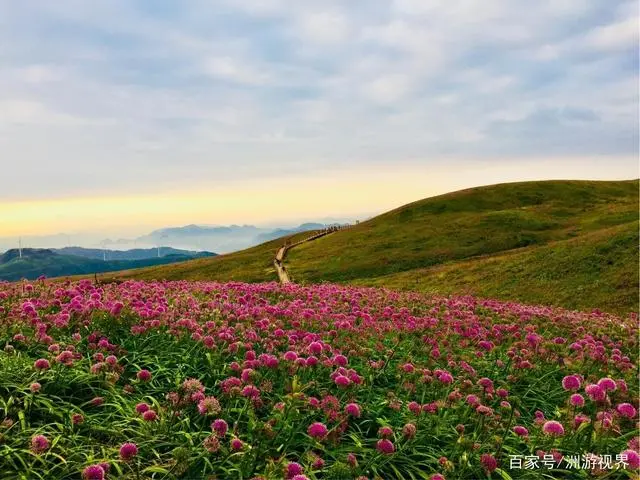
212 238
35 262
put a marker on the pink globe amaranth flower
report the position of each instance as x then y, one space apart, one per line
300 477
19 337
290 356
317 430
502 392
437 476
489 462
553 428
93 472
209 342
571 382
247 374
236 444
35 387
576 400
484 410
633 459
97 401
39 443
342 381
409 431
77 419
486 383
520 431
415 408
408 368
607 384
353 410
149 416
197 397
622 385
211 444
41 364
142 407
340 360
128 451
315 348
144 375
472 400
192 385
445 378
385 446
595 392
220 427
209 406
293 469
352 461
250 391
626 410
385 432
580 419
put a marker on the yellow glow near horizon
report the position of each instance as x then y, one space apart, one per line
342 193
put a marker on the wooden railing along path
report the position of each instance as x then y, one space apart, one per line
281 253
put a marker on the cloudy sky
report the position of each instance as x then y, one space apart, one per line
132 114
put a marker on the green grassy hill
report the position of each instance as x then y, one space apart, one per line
37 262
536 242
598 269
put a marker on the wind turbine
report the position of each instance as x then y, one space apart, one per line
20 246
161 237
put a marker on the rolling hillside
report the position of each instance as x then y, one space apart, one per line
516 241
598 269
41 261
131 254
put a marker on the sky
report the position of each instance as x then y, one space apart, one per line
121 116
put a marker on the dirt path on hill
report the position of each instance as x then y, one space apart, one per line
283 276
278 260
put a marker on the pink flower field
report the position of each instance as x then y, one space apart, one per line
201 380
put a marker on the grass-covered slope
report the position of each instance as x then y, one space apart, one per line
464 224
37 262
598 269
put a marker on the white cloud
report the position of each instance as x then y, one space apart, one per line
29 112
324 27
228 68
42 74
618 35
388 89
